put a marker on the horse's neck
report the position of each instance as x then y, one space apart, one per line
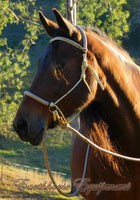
121 96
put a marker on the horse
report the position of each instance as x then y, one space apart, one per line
110 117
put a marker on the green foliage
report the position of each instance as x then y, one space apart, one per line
14 59
105 14
108 15
63 7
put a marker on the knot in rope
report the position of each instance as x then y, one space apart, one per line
83 68
57 114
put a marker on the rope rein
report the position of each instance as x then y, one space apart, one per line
51 177
92 144
58 115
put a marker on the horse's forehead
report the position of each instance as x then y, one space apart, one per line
46 57
52 52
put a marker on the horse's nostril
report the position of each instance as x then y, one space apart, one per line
22 123
22 127
29 130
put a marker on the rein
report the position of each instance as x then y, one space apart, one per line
51 177
58 115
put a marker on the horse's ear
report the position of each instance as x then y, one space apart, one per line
49 25
66 27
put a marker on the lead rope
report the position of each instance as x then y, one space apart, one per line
92 144
51 177
65 124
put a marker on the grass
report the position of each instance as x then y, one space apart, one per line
15 151
20 184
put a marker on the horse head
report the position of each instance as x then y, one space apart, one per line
59 69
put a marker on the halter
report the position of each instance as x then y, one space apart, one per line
56 111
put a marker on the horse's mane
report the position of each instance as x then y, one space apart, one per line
130 68
93 116
97 128
112 44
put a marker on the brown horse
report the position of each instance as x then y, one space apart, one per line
111 118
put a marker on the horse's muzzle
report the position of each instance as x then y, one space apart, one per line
30 131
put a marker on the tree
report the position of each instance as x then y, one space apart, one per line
108 15
14 59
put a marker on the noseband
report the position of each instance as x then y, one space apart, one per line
56 111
